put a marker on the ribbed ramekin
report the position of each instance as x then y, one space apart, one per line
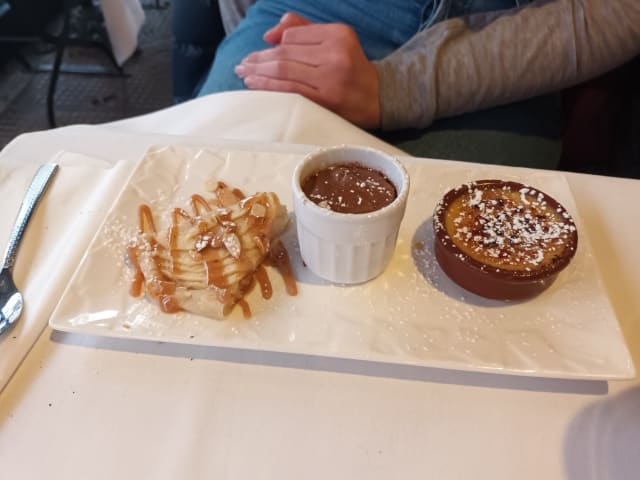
346 247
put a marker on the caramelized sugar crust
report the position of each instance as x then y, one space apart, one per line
506 228
212 254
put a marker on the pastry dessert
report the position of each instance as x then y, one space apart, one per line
502 240
211 255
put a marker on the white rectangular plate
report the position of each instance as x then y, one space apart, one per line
411 314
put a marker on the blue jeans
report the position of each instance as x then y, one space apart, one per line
381 26
197 31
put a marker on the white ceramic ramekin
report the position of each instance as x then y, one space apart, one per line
346 247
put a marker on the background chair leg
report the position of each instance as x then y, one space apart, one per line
61 43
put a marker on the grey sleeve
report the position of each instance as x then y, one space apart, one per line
484 60
232 11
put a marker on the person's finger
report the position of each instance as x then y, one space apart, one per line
308 54
285 71
273 36
258 82
317 33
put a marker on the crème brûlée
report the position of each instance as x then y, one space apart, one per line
502 239
211 255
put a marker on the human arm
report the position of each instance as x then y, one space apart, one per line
484 60
323 62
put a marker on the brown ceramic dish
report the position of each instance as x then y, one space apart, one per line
502 240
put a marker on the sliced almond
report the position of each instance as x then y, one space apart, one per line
202 242
258 210
229 226
232 244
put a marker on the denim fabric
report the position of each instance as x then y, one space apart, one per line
465 7
197 31
438 10
382 27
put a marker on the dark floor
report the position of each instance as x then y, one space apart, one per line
88 99
608 145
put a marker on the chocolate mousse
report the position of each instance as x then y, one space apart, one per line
502 240
349 188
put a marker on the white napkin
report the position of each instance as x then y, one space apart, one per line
123 20
55 240
257 116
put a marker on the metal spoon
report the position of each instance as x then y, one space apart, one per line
10 298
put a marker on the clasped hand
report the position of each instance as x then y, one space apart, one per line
323 62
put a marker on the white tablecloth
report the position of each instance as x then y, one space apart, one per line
92 407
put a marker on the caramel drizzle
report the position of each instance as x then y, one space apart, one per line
279 258
145 220
198 201
224 196
163 289
173 237
135 289
262 278
246 309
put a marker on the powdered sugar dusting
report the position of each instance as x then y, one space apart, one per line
507 227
